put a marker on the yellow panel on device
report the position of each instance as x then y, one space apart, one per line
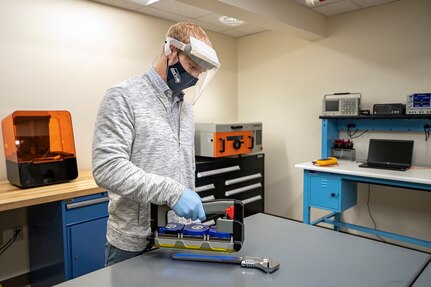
326 161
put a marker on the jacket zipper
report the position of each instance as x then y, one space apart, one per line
179 137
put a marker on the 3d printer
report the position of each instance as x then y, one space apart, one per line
39 148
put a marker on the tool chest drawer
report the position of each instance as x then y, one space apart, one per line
86 208
207 188
235 178
331 193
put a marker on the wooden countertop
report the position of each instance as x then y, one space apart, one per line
12 197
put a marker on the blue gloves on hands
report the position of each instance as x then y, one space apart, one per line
190 206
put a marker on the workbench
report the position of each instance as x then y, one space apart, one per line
60 217
308 256
334 188
12 197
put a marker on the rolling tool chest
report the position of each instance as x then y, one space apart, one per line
239 178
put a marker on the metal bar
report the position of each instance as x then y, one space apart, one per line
329 134
242 179
381 233
217 171
252 199
205 187
410 125
323 218
86 203
242 189
388 182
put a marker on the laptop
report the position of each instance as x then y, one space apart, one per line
389 154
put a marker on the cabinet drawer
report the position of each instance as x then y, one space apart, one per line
252 176
251 162
207 168
332 193
86 208
252 205
236 192
218 171
206 188
325 193
244 195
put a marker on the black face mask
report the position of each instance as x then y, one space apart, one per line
178 78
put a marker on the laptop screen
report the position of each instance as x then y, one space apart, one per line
390 151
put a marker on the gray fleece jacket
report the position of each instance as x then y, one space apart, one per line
139 159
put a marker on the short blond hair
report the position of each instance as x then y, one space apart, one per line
183 30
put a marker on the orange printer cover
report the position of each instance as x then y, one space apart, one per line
35 138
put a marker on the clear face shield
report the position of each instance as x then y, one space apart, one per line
203 56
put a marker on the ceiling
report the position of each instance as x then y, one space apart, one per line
208 18
335 7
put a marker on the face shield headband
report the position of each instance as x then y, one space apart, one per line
202 55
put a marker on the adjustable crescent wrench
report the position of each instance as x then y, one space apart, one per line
265 264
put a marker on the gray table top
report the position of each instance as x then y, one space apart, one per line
424 279
308 256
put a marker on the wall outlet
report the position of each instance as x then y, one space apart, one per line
20 235
9 233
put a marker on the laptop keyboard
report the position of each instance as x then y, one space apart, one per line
390 167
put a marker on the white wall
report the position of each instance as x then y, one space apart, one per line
382 52
65 54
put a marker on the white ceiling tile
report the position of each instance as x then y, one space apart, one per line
121 3
302 2
233 33
177 11
162 14
179 8
369 3
208 26
213 19
249 29
337 8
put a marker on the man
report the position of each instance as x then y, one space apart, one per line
143 145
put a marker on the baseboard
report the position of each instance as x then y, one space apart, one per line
17 281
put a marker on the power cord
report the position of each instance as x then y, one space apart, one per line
9 242
369 212
352 134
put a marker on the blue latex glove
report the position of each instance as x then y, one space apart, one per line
190 206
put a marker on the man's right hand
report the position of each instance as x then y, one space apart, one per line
190 206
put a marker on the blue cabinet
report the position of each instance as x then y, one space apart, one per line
331 193
67 238
87 246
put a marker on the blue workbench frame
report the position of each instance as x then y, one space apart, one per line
331 128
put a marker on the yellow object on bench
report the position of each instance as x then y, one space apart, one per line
326 161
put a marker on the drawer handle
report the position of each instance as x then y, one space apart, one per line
252 199
333 195
242 179
218 171
86 202
242 189
205 187
208 198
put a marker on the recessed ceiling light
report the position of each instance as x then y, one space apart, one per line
145 2
230 21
